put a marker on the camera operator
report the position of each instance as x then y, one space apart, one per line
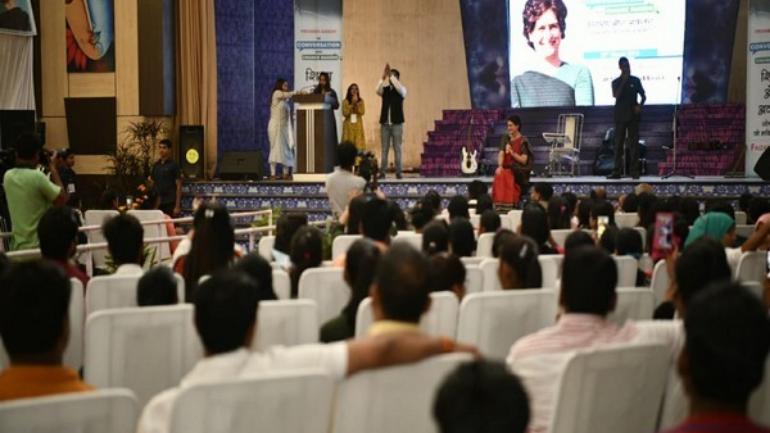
342 184
29 191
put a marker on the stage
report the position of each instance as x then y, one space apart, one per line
307 193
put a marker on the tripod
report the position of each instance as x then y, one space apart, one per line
673 171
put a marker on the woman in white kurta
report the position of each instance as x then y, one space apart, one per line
279 130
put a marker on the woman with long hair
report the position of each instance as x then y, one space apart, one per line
514 163
279 129
324 88
213 246
534 223
306 253
519 267
353 109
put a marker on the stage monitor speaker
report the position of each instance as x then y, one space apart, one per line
241 166
762 167
191 151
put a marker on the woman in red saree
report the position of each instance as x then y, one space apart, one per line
514 162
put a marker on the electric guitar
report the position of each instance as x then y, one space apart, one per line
468 164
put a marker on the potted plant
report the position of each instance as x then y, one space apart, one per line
131 162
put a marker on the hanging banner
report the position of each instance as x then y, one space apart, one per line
318 45
758 84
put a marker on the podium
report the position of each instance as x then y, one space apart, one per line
315 133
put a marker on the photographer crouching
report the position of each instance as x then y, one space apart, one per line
29 191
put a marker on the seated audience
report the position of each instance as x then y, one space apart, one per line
258 268
643 188
558 214
534 223
306 253
342 184
502 237
628 242
462 239
484 203
519 267
435 238
285 228
157 287
376 221
481 396
576 239
571 201
630 203
720 227
541 194
434 199
109 200
362 259
489 222
58 235
607 241
225 318
744 200
758 208
34 326
602 209
645 203
447 273
723 359
583 213
690 210
421 215
125 242
458 208
476 189
598 194
397 216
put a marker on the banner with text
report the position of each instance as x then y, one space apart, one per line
318 45
758 83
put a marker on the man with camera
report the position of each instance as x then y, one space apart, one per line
342 184
29 191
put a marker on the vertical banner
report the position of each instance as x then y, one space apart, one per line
758 83
318 45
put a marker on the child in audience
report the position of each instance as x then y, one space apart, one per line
287 225
125 242
501 237
421 215
519 267
58 235
462 240
576 239
628 242
489 222
260 270
435 238
458 207
157 287
306 253
447 273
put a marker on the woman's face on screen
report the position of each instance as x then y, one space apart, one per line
546 35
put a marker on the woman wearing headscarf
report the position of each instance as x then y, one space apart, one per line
721 228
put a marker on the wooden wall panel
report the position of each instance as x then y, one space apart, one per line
56 132
92 85
54 57
424 41
126 58
92 164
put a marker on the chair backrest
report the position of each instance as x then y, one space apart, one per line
298 402
507 222
744 230
146 349
97 218
515 216
265 247
560 236
741 217
73 355
550 266
759 404
163 251
660 281
439 320
633 304
627 268
475 221
490 282
392 400
752 267
493 321
341 244
286 323
119 291
327 287
590 398
103 411
413 239
474 279
626 219
571 125
472 261
484 245
281 284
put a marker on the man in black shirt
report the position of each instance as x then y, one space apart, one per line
167 180
627 115
68 176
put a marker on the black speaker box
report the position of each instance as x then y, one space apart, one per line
241 166
191 153
762 167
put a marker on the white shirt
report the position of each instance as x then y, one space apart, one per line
733 257
330 358
128 269
392 81
340 185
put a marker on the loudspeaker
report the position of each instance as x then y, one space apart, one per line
762 167
191 151
241 166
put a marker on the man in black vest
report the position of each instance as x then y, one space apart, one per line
391 117
627 115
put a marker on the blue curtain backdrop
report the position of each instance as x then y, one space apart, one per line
254 47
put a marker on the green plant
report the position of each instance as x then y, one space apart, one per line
131 162
149 259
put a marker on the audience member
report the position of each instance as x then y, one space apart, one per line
690 210
435 238
643 187
489 222
744 201
576 239
108 200
306 253
720 227
458 208
602 209
558 214
342 184
598 194
260 270
421 215
447 273
628 242
476 189
758 207
646 201
34 326
571 201
157 287
125 242
502 237
462 239
534 223
434 199
285 228
630 203
481 396
351 218
583 213
376 221
397 216
608 239
723 359
58 235
519 266
721 206
484 203
360 266
541 193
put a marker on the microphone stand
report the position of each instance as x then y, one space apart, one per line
674 122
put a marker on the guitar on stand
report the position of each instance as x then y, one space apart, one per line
468 162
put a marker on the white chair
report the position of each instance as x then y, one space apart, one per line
484 245
286 323
472 261
550 267
97 218
146 349
506 222
474 279
740 217
341 244
759 404
494 321
560 236
298 402
118 291
392 400
515 216
626 219
660 281
327 287
265 247
413 239
491 282
646 264
163 250
633 304
73 355
439 320
103 411
752 267
281 284
744 230
627 268
612 389
476 221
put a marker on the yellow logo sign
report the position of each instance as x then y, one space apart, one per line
192 156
